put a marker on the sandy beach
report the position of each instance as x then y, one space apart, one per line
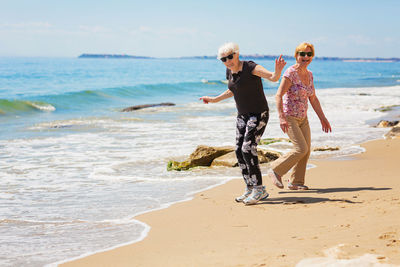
351 212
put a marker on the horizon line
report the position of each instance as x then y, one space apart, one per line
255 56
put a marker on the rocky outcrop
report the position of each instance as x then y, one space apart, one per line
202 156
132 108
217 156
394 132
386 124
229 160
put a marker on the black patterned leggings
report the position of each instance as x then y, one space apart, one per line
249 129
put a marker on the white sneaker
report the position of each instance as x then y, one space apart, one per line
246 193
258 193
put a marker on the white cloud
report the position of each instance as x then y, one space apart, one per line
320 40
145 29
26 27
94 29
359 39
164 32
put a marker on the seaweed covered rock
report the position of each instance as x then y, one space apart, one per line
202 156
388 108
267 141
178 166
217 156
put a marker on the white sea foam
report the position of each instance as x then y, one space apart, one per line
332 259
41 106
106 167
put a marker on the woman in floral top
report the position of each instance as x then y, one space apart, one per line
296 88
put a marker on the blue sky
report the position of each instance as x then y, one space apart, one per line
67 28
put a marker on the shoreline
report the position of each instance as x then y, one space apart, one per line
191 196
144 234
156 219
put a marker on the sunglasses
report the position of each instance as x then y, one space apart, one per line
223 59
303 54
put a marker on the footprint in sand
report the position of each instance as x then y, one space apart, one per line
391 239
387 235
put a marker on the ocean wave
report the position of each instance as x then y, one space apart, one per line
18 106
135 94
22 222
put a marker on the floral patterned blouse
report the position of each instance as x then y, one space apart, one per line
295 101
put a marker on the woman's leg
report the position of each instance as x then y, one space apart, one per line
299 170
255 128
282 165
241 122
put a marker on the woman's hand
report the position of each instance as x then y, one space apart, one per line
207 99
279 64
284 124
326 126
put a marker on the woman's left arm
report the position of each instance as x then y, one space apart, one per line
260 71
326 127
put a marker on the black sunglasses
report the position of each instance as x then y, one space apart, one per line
223 59
303 54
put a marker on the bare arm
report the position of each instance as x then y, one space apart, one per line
207 99
260 71
283 88
326 127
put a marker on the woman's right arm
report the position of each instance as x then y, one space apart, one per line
283 88
207 99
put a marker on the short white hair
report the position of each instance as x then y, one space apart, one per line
227 48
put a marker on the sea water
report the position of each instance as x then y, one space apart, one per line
74 169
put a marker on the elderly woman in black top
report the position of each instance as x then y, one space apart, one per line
244 83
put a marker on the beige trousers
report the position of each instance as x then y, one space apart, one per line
300 135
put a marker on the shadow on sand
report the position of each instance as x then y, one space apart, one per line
303 200
336 190
312 200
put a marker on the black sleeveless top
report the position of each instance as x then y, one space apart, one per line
247 89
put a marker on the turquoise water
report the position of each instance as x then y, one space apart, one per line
76 85
75 169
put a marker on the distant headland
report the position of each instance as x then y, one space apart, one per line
111 56
252 56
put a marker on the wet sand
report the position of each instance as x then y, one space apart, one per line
352 209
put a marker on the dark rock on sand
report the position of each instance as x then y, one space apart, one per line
385 124
132 108
202 156
325 149
394 132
